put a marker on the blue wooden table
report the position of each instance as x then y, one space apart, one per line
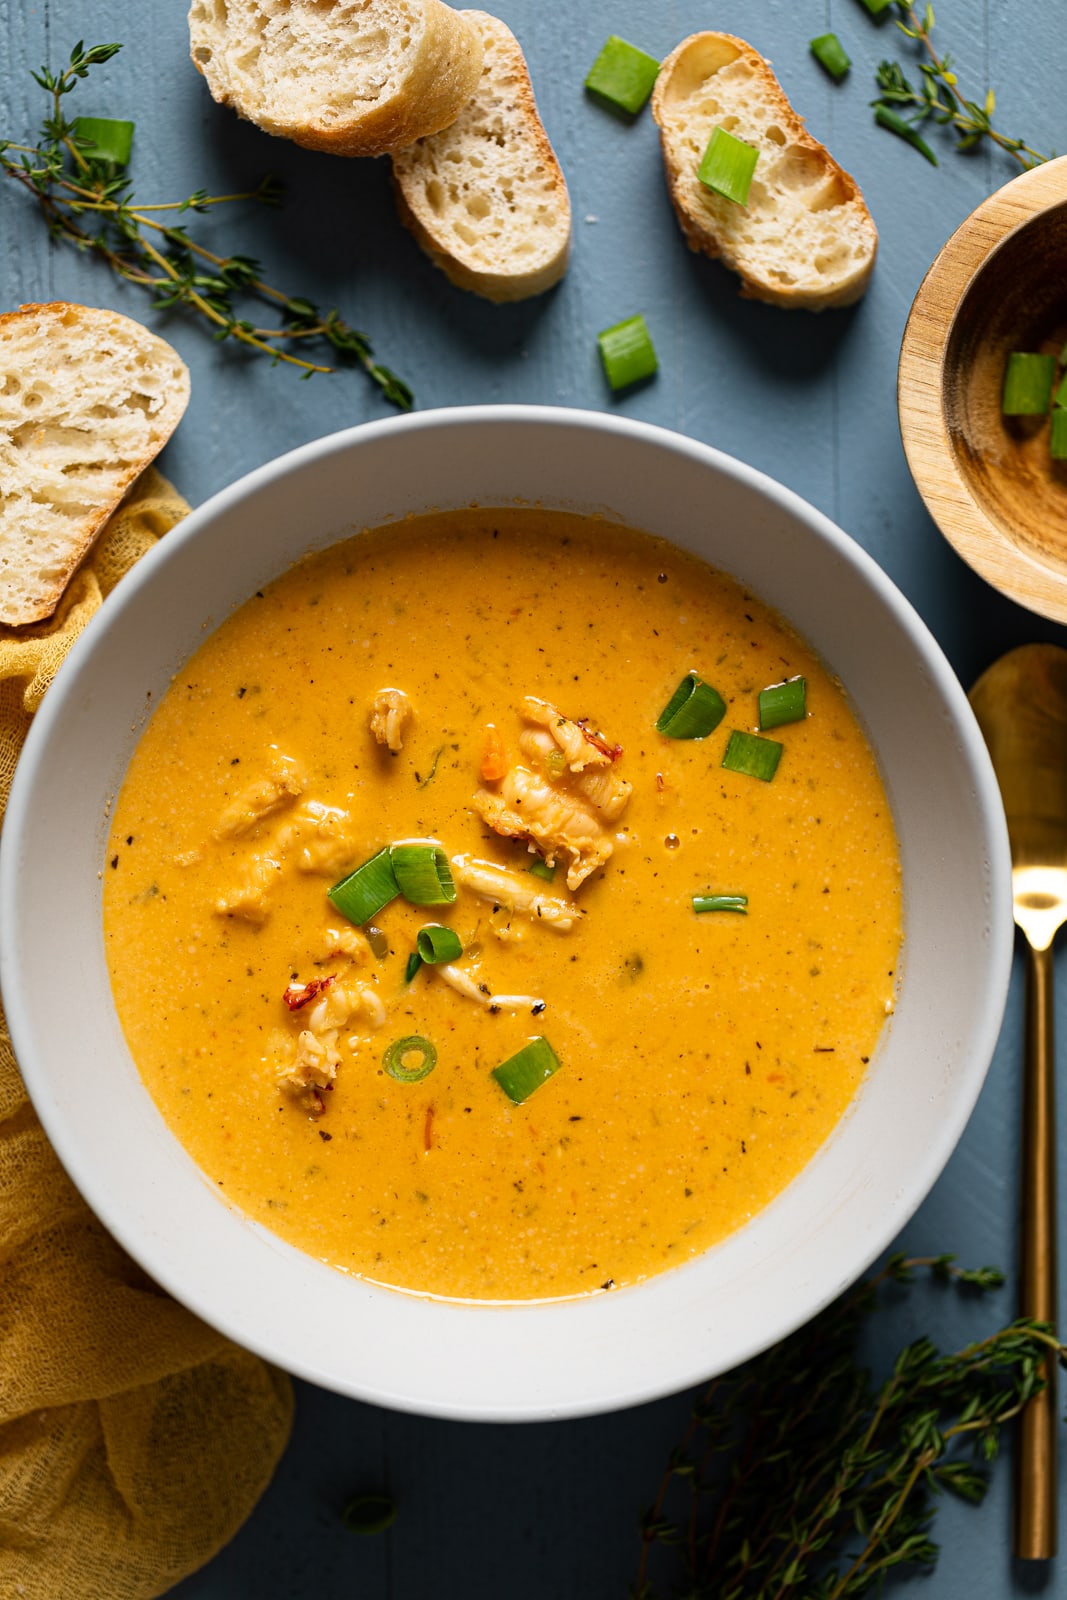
553 1509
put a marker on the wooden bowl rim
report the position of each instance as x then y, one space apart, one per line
948 496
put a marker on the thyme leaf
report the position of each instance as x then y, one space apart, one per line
800 1478
90 204
903 107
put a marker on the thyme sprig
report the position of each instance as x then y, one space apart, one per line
800 1479
89 202
904 107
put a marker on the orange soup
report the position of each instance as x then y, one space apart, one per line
652 981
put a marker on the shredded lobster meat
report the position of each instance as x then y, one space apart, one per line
261 799
513 890
565 800
390 714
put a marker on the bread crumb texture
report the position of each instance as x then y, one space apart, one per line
487 198
805 238
87 399
351 77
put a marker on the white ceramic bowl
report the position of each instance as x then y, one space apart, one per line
574 1357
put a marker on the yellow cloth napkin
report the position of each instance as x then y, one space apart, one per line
134 1440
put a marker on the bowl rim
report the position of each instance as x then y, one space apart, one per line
648 1385
986 547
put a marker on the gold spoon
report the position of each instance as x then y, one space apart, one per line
1021 706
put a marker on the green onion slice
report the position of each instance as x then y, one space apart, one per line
622 75
1028 381
627 351
527 1070
108 139
1058 443
720 902
727 166
369 1513
437 944
754 757
783 702
414 962
541 869
693 711
830 54
364 892
414 1045
423 874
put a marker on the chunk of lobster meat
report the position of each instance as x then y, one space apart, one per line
315 839
557 817
601 786
312 1069
582 746
339 1003
347 942
390 713
467 984
261 799
513 890
248 897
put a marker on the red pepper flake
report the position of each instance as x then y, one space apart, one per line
298 995
598 741
427 1128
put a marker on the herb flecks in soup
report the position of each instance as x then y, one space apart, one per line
649 975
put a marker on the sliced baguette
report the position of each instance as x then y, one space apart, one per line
805 238
486 199
87 399
351 77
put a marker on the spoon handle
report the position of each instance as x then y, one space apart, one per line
1035 1480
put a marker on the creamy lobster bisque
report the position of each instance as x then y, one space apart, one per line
703 1058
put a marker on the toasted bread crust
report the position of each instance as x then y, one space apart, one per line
681 104
62 448
519 246
422 94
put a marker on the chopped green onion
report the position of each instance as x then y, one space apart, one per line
627 351
527 1070
1058 443
378 941
622 75
782 703
747 753
830 54
369 1513
414 962
727 166
108 139
541 869
693 711
886 117
1028 381
422 874
720 902
413 1045
364 892
437 944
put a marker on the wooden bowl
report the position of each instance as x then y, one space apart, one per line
989 482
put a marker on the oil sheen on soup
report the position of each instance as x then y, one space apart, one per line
659 980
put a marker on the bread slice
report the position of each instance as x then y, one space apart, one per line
486 198
805 238
351 77
87 399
